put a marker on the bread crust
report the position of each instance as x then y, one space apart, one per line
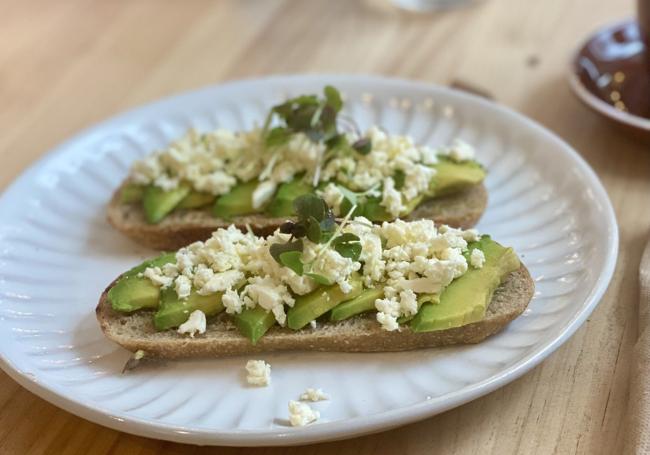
358 334
182 227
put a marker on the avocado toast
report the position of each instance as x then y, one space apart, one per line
206 181
318 284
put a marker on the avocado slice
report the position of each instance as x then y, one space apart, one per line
131 193
133 292
421 300
173 311
360 304
239 201
195 200
310 306
282 203
372 209
254 322
158 203
452 176
465 300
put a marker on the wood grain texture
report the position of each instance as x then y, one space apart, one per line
67 64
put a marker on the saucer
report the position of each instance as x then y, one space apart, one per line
610 73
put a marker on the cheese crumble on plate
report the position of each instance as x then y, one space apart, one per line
258 373
301 414
311 394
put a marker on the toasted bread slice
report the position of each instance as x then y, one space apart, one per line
182 227
358 334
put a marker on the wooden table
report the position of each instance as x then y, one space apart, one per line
67 64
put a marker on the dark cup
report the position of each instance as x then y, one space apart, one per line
643 13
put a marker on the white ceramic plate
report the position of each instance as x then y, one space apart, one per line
57 253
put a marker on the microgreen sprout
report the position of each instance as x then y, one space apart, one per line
317 223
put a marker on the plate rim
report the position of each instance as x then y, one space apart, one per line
355 426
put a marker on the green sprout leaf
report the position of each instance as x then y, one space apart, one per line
305 100
315 221
399 177
300 119
292 260
333 98
315 118
310 205
351 198
328 121
277 249
349 195
328 225
277 136
338 141
347 245
314 232
362 146
284 110
320 279
308 114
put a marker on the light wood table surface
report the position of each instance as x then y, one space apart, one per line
67 64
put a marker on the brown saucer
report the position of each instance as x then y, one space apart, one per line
610 73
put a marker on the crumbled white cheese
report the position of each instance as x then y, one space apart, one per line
170 270
166 182
374 265
146 170
389 154
202 274
313 324
232 302
471 235
268 294
461 151
263 194
301 414
405 258
333 196
258 373
184 259
196 323
388 306
217 182
210 162
221 281
416 258
183 286
391 198
157 277
388 322
417 178
408 302
312 394
477 258
429 155
215 161
260 262
331 264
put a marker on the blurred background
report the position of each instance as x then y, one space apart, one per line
106 56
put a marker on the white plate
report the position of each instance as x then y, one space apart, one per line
57 253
